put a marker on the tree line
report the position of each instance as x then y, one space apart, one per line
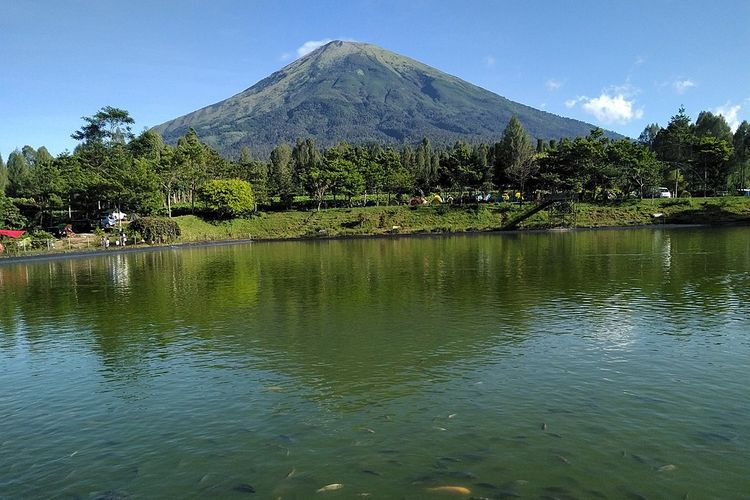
112 167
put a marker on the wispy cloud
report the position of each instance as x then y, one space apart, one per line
490 61
554 84
639 60
730 113
285 56
682 85
311 45
571 103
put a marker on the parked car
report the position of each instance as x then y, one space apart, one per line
664 193
108 221
118 215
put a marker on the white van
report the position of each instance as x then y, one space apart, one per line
664 193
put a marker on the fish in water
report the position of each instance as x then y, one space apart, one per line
330 487
291 474
371 472
452 415
667 468
244 488
437 428
459 490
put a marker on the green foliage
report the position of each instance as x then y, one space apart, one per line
156 229
10 216
515 155
228 198
109 125
19 175
281 174
3 176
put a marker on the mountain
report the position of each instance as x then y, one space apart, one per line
360 93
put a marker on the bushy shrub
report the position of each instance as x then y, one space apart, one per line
228 198
10 215
156 229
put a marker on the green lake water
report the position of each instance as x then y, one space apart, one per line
592 364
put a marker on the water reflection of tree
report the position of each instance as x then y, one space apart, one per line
360 317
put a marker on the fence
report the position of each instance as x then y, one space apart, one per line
27 245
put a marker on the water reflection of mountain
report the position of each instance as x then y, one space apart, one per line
367 317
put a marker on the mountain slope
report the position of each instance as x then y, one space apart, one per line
360 93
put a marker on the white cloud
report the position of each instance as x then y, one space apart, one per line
681 86
730 113
611 108
285 56
571 103
639 60
490 61
311 45
553 84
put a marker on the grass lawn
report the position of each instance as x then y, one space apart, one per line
447 219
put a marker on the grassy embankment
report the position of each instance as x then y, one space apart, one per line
430 219
444 219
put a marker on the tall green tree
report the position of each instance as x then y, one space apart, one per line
102 151
3 176
193 159
19 174
255 172
109 125
425 174
674 146
639 169
398 180
148 144
649 134
169 171
373 176
281 174
741 155
305 158
515 155
711 163
711 125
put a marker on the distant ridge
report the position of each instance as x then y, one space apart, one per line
361 93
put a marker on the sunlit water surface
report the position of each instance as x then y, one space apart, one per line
607 364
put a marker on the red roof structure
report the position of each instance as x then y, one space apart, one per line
11 233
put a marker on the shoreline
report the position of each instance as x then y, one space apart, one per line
48 256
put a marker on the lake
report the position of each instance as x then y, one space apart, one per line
587 364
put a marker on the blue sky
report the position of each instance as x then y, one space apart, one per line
617 64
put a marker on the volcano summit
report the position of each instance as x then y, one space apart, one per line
361 93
